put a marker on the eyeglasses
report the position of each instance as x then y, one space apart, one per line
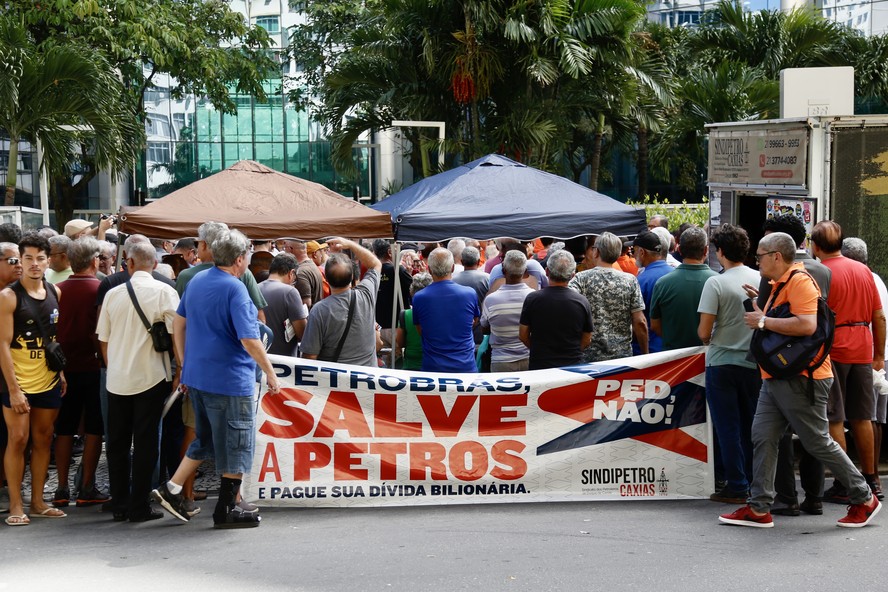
13 260
103 257
758 256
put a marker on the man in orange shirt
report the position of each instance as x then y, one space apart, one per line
786 402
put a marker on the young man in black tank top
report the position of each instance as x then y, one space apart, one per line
32 392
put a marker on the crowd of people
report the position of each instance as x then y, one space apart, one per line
461 307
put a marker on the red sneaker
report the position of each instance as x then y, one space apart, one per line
745 517
861 514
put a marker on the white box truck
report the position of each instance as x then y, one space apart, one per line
815 167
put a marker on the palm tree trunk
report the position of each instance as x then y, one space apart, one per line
595 161
476 130
641 164
11 170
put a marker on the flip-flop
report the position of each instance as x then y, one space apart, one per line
48 513
17 520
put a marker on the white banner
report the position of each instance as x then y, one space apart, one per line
340 436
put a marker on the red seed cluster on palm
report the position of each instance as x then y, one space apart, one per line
463 86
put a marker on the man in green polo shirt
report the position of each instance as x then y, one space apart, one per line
674 315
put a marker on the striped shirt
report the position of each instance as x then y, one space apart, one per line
502 312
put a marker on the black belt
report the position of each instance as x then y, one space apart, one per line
852 325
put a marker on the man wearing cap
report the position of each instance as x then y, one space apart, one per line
77 227
317 252
650 254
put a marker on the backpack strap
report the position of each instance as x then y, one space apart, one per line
348 323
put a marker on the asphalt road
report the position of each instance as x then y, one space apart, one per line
647 546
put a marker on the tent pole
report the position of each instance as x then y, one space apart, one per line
396 256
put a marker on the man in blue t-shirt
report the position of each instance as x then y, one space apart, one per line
220 347
650 255
444 314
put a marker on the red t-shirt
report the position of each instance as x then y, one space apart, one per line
77 322
854 298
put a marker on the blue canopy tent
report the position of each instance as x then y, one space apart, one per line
497 197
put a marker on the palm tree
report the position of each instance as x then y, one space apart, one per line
771 41
63 95
730 92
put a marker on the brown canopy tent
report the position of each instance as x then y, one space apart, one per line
261 202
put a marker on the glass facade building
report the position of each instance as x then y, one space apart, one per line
189 139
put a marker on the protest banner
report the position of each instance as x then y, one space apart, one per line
347 436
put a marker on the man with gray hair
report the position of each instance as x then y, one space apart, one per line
456 246
615 301
121 277
138 380
216 333
444 314
207 233
798 401
500 314
556 322
676 297
471 276
658 221
59 266
855 248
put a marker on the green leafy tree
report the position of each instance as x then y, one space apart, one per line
204 47
61 95
505 76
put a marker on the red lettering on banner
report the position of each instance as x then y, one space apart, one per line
515 466
342 411
388 458
458 465
308 456
492 412
345 465
442 423
385 419
270 463
299 422
427 456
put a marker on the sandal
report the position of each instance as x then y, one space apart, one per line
17 520
48 513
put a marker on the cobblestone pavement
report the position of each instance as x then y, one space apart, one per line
207 479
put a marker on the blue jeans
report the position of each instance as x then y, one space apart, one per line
224 430
732 393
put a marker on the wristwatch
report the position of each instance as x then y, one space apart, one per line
762 322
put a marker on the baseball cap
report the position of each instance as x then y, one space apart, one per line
76 226
312 246
648 241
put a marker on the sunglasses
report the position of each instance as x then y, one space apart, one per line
13 260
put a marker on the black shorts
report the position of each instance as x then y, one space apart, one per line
81 400
851 396
51 399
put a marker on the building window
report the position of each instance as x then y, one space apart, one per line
272 24
157 125
158 152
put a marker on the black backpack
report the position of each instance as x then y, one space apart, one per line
785 356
